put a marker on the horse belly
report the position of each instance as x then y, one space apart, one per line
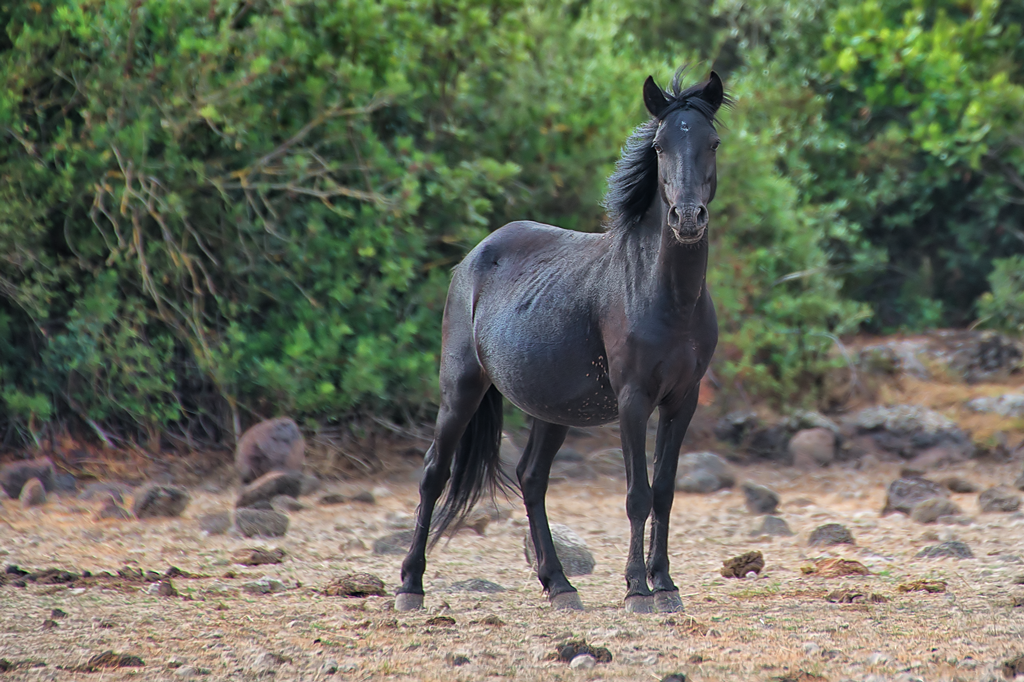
558 382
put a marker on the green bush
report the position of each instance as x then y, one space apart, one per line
1002 308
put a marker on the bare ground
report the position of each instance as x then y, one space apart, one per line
778 625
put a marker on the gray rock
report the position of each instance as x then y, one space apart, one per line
112 510
906 493
264 523
395 543
101 490
263 586
329 667
774 526
959 485
813 448
64 483
570 549
216 523
310 484
13 476
476 585
804 420
268 486
954 549
607 462
156 501
1006 405
583 662
734 427
33 494
929 511
703 472
1001 498
271 445
759 499
907 430
831 534
286 503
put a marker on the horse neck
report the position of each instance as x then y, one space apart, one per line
673 274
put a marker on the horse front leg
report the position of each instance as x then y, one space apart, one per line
533 471
633 416
672 427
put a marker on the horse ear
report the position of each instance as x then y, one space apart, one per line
714 92
654 97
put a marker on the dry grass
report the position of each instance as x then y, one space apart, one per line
776 626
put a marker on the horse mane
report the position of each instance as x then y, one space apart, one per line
633 185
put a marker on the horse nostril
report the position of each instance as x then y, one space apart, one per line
701 216
673 216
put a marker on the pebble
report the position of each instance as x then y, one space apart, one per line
905 493
811 648
13 476
703 472
929 511
112 510
953 549
1001 498
583 662
155 501
33 494
265 523
329 667
476 585
760 499
396 543
264 586
570 549
774 526
831 534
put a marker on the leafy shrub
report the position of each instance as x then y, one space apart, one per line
1003 307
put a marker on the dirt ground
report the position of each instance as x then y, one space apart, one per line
779 625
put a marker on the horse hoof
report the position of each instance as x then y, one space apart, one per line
407 601
567 601
667 602
640 603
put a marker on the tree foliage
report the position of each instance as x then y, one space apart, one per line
212 212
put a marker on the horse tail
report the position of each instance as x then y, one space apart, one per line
476 466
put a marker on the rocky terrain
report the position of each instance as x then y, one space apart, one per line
883 541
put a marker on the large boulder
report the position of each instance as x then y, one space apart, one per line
972 355
16 474
570 549
909 430
1005 405
271 445
703 472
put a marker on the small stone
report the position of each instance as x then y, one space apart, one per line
853 596
57 614
739 566
440 621
959 485
271 445
310 485
268 660
929 511
164 588
33 494
268 486
760 499
812 448
285 503
953 549
395 543
109 659
263 586
1001 498
189 671
676 677
571 649
583 662
931 586
216 523
906 493
354 585
265 523
329 667
332 498
831 534
877 658
257 556
811 648
155 501
49 624
774 526
703 472
570 549
13 476
112 510
364 496
476 585
455 660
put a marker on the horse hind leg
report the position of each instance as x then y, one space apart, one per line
458 405
533 471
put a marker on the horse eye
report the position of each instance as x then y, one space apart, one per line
657 147
714 145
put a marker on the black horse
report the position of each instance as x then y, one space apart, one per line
579 329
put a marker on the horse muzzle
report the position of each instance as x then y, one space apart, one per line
688 222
